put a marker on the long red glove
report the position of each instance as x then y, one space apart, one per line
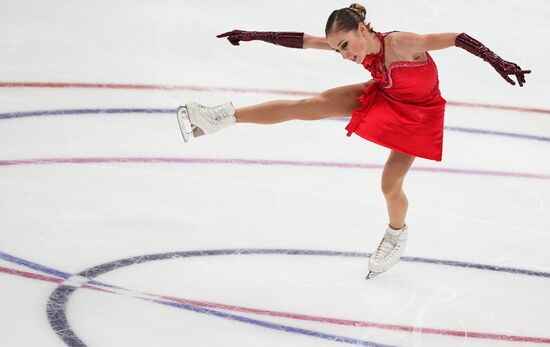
503 67
287 39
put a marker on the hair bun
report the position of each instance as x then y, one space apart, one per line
360 10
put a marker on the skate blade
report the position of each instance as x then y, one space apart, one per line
372 275
184 123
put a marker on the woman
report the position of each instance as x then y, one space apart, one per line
400 107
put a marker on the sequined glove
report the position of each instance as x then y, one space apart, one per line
503 67
287 39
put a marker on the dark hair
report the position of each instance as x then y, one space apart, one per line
346 19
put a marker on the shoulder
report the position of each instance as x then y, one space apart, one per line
404 45
412 43
402 40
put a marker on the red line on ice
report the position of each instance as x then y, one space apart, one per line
233 161
447 332
231 89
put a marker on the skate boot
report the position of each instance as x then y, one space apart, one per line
388 252
198 120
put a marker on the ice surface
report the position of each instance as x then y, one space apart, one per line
89 185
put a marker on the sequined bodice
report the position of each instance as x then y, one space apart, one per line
403 84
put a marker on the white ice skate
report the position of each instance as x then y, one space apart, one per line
198 120
389 251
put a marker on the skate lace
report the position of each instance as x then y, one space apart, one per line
385 248
213 115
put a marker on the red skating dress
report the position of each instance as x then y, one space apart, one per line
403 108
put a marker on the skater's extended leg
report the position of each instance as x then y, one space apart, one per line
197 120
395 170
334 102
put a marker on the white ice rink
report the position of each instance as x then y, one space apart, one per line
113 232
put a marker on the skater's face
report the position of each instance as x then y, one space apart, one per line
352 45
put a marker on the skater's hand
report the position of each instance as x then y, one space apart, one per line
506 68
503 67
235 36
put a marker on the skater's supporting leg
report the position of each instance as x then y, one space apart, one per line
395 170
334 102
393 244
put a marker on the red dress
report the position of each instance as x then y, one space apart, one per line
403 108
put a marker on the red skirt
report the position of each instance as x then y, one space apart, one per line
407 115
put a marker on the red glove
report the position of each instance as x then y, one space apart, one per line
503 67
287 39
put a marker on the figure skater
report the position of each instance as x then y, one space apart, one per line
400 108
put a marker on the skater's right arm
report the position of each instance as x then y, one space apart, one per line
285 38
316 42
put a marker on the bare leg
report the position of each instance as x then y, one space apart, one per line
335 102
394 173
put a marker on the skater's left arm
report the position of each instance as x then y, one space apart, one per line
410 43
